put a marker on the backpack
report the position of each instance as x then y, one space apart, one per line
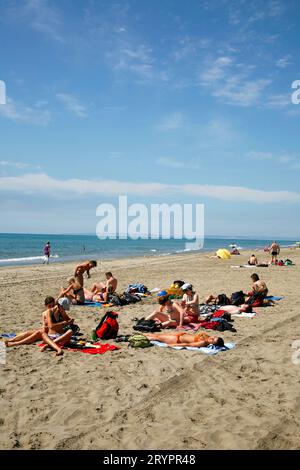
149 326
139 341
117 300
222 299
288 262
237 298
108 327
130 298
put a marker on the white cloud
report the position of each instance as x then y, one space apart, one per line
72 104
43 184
18 165
19 112
284 62
172 121
39 15
230 81
260 155
171 163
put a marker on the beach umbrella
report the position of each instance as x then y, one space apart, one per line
223 253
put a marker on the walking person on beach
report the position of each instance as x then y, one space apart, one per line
275 250
47 251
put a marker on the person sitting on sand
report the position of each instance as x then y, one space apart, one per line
42 334
84 268
258 294
100 291
198 340
190 304
58 322
74 292
169 315
31 336
252 261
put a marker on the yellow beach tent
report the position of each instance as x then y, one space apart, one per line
223 253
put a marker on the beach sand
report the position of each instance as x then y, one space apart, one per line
154 398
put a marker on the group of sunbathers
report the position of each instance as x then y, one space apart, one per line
57 326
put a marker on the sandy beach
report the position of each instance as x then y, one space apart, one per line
154 398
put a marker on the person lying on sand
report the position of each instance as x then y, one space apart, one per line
232 309
190 304
100 291
84 268
57 321
74 292
198 340
168 315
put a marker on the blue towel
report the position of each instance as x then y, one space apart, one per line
88 304
273 297
211 349
8 335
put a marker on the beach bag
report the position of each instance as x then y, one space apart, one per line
141 288
117 300
178 284
280 263
237 298
222 299
108 327
149 326
288 262
131 298
139 341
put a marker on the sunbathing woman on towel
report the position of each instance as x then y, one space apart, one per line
198 340
169 315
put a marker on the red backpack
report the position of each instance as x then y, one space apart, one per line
108 327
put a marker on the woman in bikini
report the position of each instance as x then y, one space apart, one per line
169 315
198 340
73 292
58 322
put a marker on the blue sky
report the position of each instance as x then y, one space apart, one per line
162 100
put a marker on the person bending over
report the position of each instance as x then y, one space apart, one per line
84 268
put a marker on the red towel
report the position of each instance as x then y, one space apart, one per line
101 349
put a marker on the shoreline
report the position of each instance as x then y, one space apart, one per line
77 258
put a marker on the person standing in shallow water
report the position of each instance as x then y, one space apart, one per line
47 252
